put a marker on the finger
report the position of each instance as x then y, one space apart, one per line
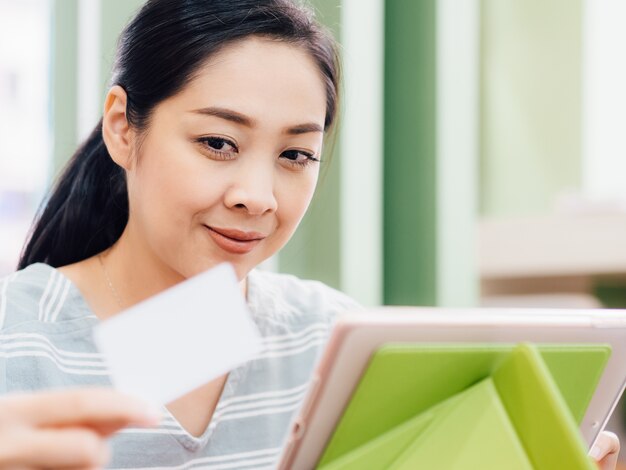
605 450
612 441
106 429
609 462
10 466
58 448
77 468
94 406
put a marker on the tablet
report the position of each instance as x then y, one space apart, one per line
355 338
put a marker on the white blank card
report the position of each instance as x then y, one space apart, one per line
180 339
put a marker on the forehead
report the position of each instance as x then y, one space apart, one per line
265 79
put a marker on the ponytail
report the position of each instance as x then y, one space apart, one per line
86 212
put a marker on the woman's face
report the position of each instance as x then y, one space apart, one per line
228 166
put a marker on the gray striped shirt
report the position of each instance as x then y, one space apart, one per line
46 342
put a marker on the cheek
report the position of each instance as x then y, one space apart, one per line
294 197
170 187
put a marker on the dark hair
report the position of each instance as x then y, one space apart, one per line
158 53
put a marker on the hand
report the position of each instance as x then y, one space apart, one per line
65 429
605 450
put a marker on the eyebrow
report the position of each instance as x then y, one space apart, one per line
242 119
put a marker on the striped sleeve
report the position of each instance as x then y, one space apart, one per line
4 286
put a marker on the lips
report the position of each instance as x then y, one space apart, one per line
235 241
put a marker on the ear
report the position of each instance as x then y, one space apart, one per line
116 132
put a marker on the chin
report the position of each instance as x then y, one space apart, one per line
200 266
241 271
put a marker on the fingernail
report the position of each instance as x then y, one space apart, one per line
154 412
596 452
145 411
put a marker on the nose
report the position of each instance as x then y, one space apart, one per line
252 189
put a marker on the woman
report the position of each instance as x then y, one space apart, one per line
208 151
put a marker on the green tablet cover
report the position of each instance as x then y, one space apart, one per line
469 406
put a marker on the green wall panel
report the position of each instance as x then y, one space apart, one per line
410 240
115 15
313 252
64 80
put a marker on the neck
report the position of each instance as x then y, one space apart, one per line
137 273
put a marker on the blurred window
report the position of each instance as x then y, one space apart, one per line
25 131
604 112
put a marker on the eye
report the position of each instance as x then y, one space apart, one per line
220 146
298 157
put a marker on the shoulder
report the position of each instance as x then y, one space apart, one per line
35 293
295 317
288 299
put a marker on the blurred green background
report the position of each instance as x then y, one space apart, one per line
455 116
